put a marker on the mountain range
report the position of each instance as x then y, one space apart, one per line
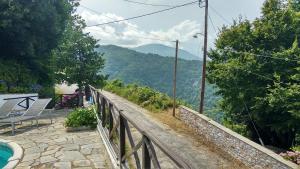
164 50
156 72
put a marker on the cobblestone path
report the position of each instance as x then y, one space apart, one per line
50 146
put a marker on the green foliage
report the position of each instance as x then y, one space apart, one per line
296 148
143 96
239 128
76 58
81 117
29 31
257 69
43 41
157 72
16 77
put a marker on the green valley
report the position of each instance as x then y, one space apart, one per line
156 72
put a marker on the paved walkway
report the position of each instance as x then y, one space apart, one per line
50 146
199 156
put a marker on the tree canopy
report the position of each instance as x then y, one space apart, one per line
77 60
256 67
42 42
29 31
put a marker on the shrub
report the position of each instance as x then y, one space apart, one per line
142 95
296 148
292 156
81 117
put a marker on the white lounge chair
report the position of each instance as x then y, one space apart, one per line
32 113
7 107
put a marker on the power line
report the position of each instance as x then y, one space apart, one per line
260 55
135 17
142 3
250 117
212 24
142 37
96 12
220 15
127 24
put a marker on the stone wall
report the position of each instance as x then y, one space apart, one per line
248 152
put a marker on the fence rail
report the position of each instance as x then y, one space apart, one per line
26 99
114 126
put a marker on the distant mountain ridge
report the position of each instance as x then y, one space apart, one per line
156 72
164 50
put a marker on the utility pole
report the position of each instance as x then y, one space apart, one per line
174 79
204 58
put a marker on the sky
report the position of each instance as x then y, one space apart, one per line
166 27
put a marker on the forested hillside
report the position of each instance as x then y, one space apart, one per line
157 72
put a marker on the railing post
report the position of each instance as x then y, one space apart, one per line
146 160
103 111
122 139
98 103
111 120
27 102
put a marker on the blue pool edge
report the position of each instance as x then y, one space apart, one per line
14 160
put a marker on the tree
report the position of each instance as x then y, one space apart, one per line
76 58
29 31
256 67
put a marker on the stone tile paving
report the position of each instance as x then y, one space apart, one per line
50 146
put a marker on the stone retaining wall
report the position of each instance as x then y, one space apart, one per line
248 152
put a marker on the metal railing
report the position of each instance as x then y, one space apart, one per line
26 99
114 125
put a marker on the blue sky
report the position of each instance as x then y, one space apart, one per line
181 23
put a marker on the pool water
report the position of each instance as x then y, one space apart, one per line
5 154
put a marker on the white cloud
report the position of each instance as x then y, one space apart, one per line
128 34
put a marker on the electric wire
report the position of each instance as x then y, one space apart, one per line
142 37
163 40
260 55
149 4
147 14
220 15
250 117
212 24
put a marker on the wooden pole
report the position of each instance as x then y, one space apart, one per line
204 59
174 79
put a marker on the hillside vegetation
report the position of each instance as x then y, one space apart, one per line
157 72
142 95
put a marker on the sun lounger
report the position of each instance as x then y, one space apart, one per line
7 107
32 113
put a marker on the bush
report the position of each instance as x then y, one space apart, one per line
239 128
293 156
142 95
81 117
296 148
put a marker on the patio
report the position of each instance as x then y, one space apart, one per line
50 146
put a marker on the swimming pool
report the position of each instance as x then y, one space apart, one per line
5 153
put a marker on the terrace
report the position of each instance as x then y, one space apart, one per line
128 136
50 146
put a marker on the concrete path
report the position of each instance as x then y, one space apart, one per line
201 157
50 146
